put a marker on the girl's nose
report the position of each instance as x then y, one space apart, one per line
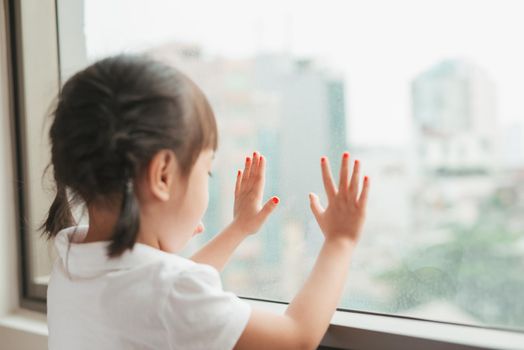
199 229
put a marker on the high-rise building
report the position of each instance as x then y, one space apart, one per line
312 122
454 112
455 147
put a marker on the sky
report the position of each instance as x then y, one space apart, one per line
378 47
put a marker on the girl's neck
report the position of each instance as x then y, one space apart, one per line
101 224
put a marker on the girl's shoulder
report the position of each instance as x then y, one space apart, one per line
178 270
80 261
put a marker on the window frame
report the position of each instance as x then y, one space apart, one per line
360 329
22 39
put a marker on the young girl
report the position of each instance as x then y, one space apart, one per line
134 140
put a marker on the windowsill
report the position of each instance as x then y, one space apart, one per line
348 329
365 331
26 321
23 329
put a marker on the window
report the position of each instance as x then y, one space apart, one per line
424 93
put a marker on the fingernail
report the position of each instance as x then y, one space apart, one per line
276 200
346 155
323 159
254 154
366 178
356 162
248 159
239 172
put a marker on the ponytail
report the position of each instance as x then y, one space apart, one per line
59 216
128 223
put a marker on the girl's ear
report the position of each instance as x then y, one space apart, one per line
162 171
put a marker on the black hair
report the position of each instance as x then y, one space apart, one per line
110 120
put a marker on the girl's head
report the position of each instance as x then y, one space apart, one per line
133 139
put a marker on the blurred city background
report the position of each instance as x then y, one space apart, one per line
427 94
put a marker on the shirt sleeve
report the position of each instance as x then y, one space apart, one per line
199 314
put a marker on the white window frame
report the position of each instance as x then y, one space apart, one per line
33 64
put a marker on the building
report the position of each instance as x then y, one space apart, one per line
454 114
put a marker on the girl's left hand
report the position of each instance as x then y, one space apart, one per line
249 214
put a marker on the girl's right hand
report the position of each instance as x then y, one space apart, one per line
341 223
344 216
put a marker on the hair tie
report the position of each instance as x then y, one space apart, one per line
129 186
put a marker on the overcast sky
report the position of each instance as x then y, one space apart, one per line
378 46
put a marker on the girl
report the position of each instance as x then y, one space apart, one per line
134 140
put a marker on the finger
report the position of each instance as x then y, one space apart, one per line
355 179
344 174
256 159
268 208
315 205
253 173
363 199
261 176
327 178
247 170
238 184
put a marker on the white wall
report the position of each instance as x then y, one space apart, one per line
8 281
18 329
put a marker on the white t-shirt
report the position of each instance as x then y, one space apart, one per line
145 299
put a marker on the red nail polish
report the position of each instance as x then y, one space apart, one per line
323 159
366 178
239 172
254 154
276 200
346 155
356 162
248 159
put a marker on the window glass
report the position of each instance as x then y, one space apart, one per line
428 94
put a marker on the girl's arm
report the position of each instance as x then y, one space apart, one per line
308 315
249 215
218 251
